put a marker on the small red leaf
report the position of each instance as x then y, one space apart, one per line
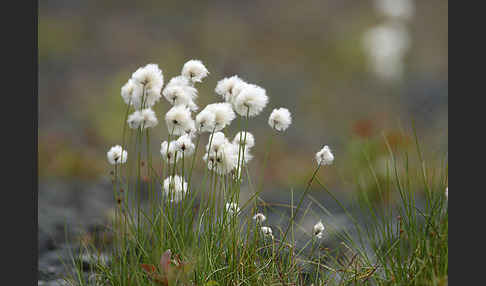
149 268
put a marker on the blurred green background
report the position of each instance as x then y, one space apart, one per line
346 82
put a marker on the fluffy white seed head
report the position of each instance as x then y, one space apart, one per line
194 70
319 230
169 151
232 208
175 188
145 118
192 106
116 155
224 160
447 193
223 114
267 231
210 160
217 141
240 139
184 145
247 157
229 87
191 128
205 121
179 80
181 95
324 156
131 93
151 80
135 119
259 217
178 120
149 118
251 100
280 119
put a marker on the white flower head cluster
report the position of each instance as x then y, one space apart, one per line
169 152
205 121
232 208
178 93
244 138
179 121
194 70
216 142
143 89
145 118
324 156
246 99
229 87
175 188
222 156
215 117
267 231
280 119
224 161
250 101
116 155
259 217
184 145
319 230
130 93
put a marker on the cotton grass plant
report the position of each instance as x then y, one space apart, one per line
200 232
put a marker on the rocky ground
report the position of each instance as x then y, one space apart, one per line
68 212
71 211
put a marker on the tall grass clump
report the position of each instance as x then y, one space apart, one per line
201 232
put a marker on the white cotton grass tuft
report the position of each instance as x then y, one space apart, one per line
169 152
175 188
194 70
223 114
149 119
319 230
184 145
267 231
135 119
131 93
216 142
178 120
244 138
250 101
324 156
226 159
151 80
180 81
229 87
259 217
116 155
205 121
232 208
145 118
181 95
280 119
447 193
191 128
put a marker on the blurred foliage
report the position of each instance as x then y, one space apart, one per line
308 56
